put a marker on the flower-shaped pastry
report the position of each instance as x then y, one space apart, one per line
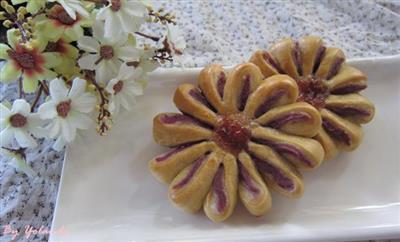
237 134
326 82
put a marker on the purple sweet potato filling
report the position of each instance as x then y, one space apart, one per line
335 67
297 58
336 132
177 149
269 59
290 117
283 148
245 177
175 118
221 84
269 102
218 187
197 164
318 58
244 94
349 111
352 88
264 167
198 96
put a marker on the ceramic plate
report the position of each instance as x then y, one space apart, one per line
108 194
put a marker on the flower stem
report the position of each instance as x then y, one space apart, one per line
38 94
20 90
153 38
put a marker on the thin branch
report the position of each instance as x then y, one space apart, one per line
45 87
38 94
153 38
20 87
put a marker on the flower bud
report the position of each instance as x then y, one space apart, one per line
7 23
22 10
10 9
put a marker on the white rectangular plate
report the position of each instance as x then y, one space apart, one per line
108 194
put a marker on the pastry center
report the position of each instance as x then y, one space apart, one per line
232 133
312 90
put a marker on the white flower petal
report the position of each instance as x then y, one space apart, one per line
134 88
84 103
111 83
6 136
98 28
80 121
89 44
135 8
124 102
54 128
4 111
68 130
24 139
58 90
22 107
88 61
110 29
59 144
125 72
115 104
77 89
128 53
47 110
21 165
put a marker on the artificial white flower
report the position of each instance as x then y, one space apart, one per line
124 16
16 158
175 39
146 63
19 123
124 87
68 110
105 56
73 6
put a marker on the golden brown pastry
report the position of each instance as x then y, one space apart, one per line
326 82
238 136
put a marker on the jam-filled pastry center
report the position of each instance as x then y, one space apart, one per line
312 90
232 133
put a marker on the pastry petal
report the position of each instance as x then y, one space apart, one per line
166 166
311 50
331 63
328 143
253 192
212 80
303 153
353 107
278 175
347 135
242 81
191 101
190 187
172 129
274 91
297 118
348 80
285 52
265 62
222 197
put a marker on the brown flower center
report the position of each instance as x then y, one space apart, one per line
106 52
232 133
116 5
57 12
313 90
118 87
17 120
25 60
63 108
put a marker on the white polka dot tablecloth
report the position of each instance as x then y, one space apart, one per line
224 32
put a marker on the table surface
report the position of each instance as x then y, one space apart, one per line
224 32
